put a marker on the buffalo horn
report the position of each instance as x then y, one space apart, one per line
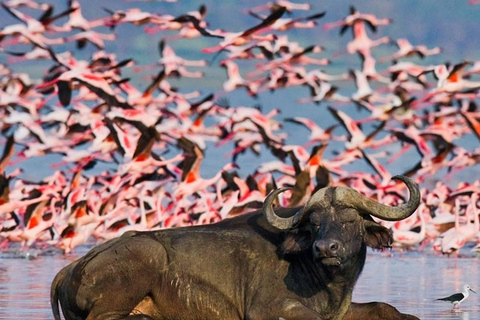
275 220
347 197
351 198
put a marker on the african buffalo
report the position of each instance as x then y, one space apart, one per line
292 264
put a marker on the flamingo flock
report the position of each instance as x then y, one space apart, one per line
129 154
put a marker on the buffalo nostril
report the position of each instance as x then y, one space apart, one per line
327 247
334 247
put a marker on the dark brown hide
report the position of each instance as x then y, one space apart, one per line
375 311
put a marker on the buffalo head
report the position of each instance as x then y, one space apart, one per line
335 223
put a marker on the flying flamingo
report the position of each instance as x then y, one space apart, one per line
411 136
36 223
472 123
379 169
357 139
235 79
78 71
192 182
22 34
136 97
143 159
356 17
34 25
237 38
406 49
72 237
77 21
450 81
132 15
284 24
288 5
95 38
323 91
7 204
287 60
180 23
317 134
361 43
175 65
27 3
455 82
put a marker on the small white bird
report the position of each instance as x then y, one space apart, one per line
457 298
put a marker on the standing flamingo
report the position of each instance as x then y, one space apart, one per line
408 238
454 239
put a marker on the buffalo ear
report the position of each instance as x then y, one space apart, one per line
377 236
296 241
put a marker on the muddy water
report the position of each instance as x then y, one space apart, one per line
411 282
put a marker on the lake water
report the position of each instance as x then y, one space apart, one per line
411 283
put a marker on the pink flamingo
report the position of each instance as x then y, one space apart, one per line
288 5
237 38
356 17
173 64
79 72
181 23
136 97
72 237
412 136
77 21
96 38
406 49
284 24
27 3
361 42
235 79
36 53
229 204
36 222
34 25
317 134
471 229
323 91
456 82
454 239
289 61
384 174
357 139
407 238
364 91
191 178
132 15
7 204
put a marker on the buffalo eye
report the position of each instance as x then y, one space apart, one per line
349 216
